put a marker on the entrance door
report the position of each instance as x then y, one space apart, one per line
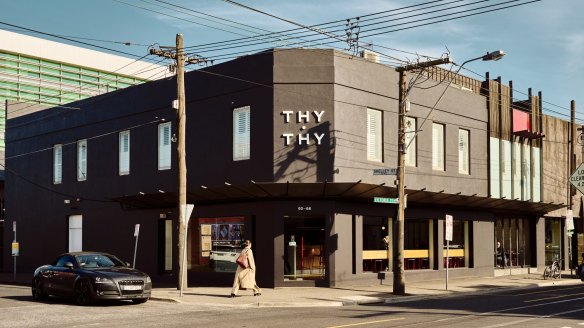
304 248
512 242
75 233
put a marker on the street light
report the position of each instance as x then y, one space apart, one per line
490 56
399 287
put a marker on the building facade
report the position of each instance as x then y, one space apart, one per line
35 71
293 149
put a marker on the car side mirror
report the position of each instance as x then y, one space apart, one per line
69 265
128 264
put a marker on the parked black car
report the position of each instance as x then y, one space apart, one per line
91 276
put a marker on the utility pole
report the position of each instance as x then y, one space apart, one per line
181 58
399 282
571 189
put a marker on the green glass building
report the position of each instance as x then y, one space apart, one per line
43 72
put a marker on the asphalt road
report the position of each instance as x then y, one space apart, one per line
558 306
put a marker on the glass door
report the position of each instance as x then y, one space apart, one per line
304 248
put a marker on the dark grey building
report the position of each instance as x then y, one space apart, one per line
283 148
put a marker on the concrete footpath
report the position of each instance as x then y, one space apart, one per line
355 295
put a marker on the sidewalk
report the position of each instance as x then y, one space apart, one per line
323 297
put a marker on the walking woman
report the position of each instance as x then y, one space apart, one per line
245 277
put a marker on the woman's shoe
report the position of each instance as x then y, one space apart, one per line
232 295
257 294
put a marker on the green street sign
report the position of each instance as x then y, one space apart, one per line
386 200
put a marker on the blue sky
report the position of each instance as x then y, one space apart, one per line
544 40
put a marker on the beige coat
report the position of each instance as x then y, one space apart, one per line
246 277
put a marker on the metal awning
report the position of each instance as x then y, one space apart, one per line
336 191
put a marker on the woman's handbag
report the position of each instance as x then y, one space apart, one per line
242 260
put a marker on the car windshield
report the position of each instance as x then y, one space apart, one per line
88 261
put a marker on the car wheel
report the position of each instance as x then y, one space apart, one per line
139 300
82 293
38 292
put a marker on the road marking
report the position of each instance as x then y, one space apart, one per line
513 323
551 298
366 323
546 291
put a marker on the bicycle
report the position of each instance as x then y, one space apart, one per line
553 271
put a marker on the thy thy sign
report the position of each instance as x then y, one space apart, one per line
577 178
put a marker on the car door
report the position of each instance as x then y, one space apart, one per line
63 277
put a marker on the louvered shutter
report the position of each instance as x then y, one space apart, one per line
374 135
241 133
410 130
164 154
124 153
57 164
463 151
82 160
438 146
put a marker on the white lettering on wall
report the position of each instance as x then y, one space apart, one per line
287 113
303 117
318 115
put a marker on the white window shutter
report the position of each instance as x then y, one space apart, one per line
57 164
164 146
124 153
241 133
374 137
410 130
82 160
463 151
438 146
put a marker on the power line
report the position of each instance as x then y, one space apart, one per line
126 43
69 39
179 18
223 57
219 18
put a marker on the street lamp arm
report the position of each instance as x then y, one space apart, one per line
490 56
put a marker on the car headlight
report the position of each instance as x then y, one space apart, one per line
103 280
148 280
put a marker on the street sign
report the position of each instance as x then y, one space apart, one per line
569 220
577 178
15 249
392 171
386 200
448 227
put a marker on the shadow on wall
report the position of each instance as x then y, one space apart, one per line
300 162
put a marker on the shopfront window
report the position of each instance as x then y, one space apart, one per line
376 243
458 249
553 240
512 243
304 248
417 244
215 243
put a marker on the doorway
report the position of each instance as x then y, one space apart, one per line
304 248
75 233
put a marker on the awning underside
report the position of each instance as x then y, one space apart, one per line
336 191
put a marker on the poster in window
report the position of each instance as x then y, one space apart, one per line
234 233
223 232
206 229
206 243
215 231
